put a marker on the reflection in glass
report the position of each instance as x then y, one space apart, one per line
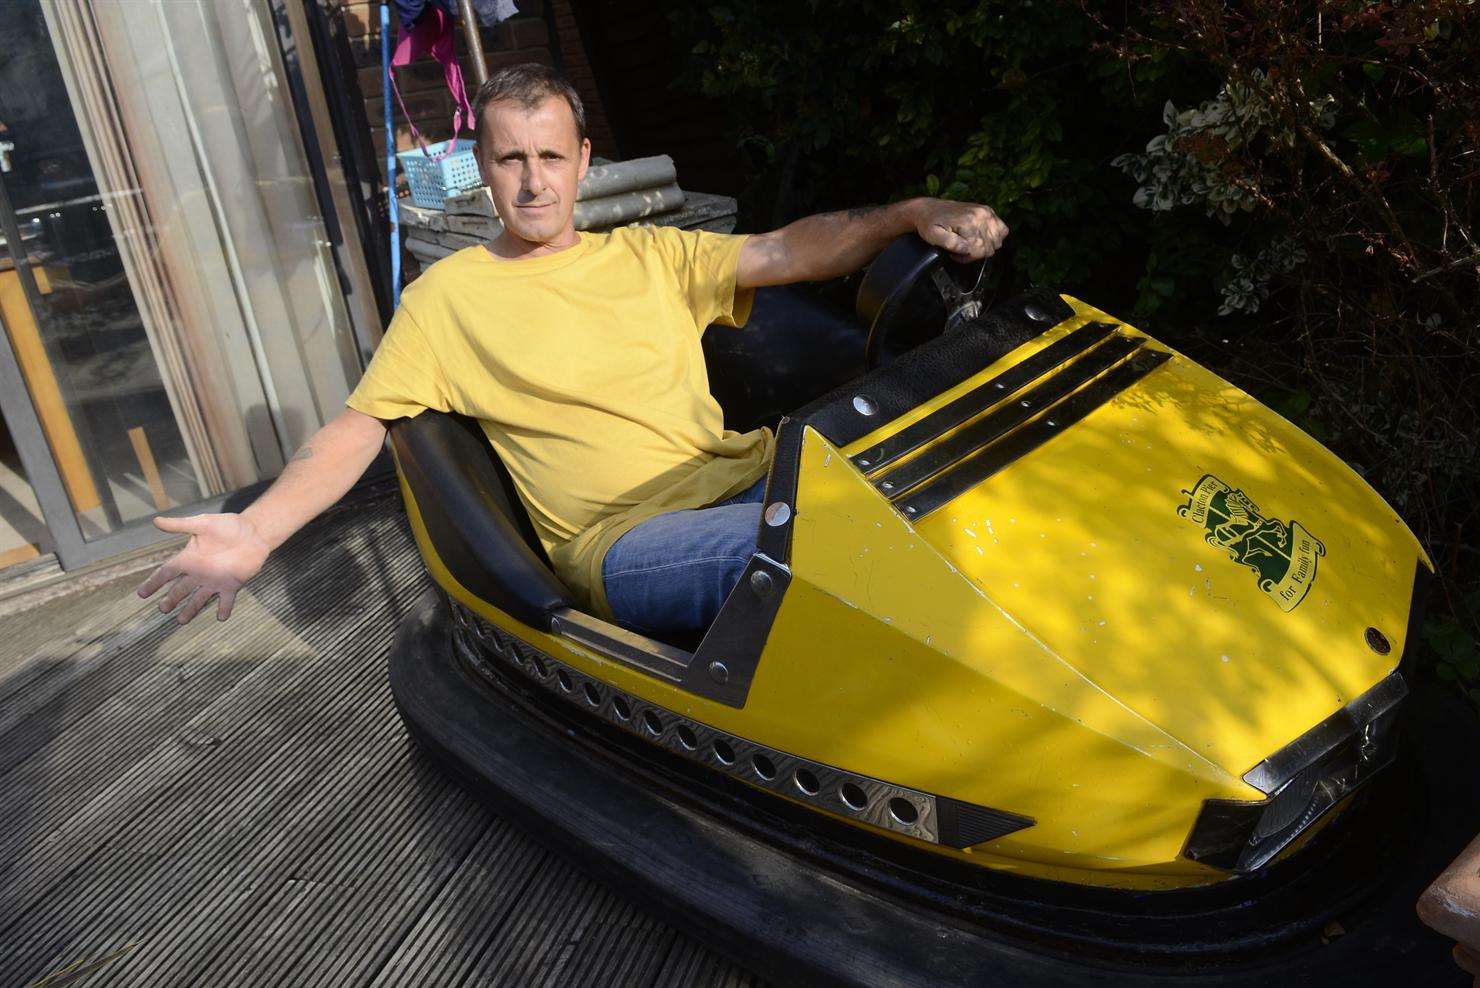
69 308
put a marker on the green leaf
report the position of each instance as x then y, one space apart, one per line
1316 431
1412 146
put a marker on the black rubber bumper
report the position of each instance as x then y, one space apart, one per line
774 911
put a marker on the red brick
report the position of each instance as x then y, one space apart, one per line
362 19
418 77
432 114
503 59
529 32
499 38
404 140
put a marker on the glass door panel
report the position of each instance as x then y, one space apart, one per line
69 308
173 320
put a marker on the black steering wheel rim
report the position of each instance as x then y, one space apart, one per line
891 279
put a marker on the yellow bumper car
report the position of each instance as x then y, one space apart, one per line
1054 645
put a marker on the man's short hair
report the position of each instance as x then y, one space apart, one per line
528 85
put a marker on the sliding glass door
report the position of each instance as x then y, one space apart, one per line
174 325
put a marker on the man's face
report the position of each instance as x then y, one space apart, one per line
533 162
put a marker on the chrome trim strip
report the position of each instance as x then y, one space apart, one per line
845 794
621 645
1282 766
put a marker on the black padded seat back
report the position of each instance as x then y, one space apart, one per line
473 514
794 347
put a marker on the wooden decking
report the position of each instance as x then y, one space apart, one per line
238 804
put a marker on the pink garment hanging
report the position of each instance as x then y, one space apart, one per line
432 35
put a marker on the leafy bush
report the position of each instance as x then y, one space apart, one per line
1305 223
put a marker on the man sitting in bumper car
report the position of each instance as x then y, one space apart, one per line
579 355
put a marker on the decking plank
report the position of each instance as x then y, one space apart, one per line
239 804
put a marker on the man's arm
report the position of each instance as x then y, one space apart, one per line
226 550
830 245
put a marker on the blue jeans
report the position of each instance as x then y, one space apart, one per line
671 573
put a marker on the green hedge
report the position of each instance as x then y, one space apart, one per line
1286 190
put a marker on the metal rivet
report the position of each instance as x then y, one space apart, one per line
909 509
864 463
719 672
1052 423
1378 642
887 485
1034 313
761 583
778 513
864 405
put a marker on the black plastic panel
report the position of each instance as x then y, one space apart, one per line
898 387
475 518
964 825
1000 421
934 367
793 347
948 416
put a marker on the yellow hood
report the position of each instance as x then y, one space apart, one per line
1190 552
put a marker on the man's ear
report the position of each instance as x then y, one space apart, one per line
585 157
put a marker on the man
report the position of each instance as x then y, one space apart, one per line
579 355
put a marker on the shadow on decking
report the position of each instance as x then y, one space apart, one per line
238 803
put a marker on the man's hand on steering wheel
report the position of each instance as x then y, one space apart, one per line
966 231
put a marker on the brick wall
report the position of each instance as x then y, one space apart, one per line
523 38
639 61
577 67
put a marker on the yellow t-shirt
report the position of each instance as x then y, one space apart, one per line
585 370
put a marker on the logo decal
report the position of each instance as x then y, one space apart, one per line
1282 556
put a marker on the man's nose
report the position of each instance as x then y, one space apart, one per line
534 178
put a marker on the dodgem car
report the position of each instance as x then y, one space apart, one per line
1051 637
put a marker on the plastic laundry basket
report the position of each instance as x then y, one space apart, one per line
433 178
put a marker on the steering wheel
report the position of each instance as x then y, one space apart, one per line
913 292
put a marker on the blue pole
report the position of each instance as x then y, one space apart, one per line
390 154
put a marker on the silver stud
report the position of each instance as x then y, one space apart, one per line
761 583
1034 313
778 513
719 672
864 405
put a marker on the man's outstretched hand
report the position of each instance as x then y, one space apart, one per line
224 552
964 230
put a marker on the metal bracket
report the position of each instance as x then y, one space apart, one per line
725 663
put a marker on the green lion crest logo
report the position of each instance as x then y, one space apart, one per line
1282 556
